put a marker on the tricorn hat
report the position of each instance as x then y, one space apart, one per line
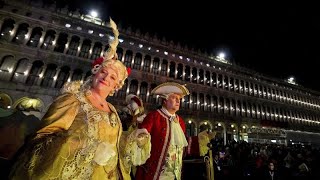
167 88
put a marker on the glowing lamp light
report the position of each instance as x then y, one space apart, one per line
221 55
94 13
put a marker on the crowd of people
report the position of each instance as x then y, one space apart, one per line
265 161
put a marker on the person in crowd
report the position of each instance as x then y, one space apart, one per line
15 127
130 116
271 173
133 113
167 131
80 136
204 139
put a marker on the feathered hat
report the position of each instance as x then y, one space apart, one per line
135 103
110 57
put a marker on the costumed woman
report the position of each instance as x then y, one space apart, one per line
80 136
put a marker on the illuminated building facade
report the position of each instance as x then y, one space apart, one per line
43 47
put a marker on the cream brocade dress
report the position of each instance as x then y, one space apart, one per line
78 141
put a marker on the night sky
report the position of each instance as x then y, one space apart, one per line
279 40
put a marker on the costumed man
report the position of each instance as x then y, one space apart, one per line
167 131
130 116
133 113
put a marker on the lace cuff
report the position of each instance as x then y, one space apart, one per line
139 146
104 153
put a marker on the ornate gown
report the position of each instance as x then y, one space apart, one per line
78 141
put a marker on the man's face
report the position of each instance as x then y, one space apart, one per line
172 104
271 166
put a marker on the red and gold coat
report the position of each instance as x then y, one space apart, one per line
158 125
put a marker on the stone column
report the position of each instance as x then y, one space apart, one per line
43 35
183 72
123 55
142 62
43 71
148 93
55 77
138 90
175 70
13 32
90 50
128 87
151 64
54 43
197 76
132 60
27 36
80 45
67 44
70 76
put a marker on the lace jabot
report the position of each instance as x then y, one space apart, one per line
178 138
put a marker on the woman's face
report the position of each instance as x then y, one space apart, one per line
106 80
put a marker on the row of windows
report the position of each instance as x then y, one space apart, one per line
52 76
211 103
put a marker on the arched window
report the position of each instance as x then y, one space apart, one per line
194 75
6 68
6 29
143 91
120 53
34 73
73 46
85 48
208 103
62 77
164 67
201 76
128 58
146 64
155 66
97 48
187 74
137 61
21 33
49 75
77 75
122 92
207 78
186 102
180 71
48 40
35 37
21 72
61 42
172 69
133 87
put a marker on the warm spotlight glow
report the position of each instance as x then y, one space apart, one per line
94 13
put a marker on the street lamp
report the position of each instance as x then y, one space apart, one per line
221 55
94 13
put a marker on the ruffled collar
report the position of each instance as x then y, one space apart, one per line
167 113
